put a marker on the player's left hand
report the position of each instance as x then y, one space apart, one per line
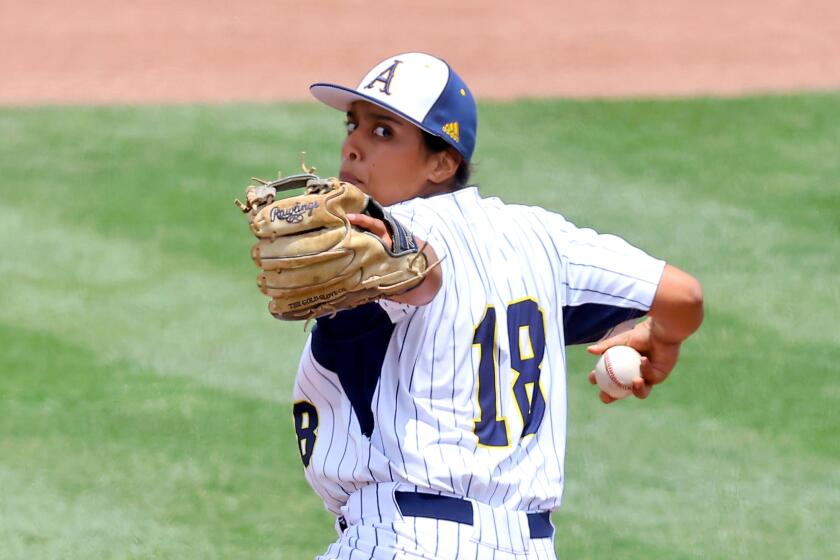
428 288
313 261
658 357
373 225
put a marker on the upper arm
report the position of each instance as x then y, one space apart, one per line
606 280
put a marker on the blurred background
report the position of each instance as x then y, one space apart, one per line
93 51
145 392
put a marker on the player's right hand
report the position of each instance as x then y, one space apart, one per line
658 357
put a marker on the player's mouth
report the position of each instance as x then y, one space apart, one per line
350 178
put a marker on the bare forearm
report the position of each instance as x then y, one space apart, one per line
677 309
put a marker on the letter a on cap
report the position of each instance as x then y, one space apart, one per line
385 77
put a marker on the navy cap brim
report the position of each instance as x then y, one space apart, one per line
341 97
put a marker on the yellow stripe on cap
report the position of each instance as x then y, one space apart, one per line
451 129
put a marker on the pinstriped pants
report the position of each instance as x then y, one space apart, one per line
378 530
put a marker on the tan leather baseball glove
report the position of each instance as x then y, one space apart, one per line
313 261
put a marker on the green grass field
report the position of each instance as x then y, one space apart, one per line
144 412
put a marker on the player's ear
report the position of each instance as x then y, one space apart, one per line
445 165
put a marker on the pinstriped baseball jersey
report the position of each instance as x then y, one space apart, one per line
466 396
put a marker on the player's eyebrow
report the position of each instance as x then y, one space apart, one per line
376 115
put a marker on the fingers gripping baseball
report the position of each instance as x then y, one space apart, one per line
658 358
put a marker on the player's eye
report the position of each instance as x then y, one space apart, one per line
382 131
350 126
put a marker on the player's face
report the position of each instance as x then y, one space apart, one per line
385 156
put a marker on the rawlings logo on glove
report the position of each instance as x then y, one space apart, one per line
313 261
294 214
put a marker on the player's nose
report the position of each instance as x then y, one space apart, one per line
351 149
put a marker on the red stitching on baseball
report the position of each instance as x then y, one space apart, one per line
612 376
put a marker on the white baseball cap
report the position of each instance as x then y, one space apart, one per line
419 87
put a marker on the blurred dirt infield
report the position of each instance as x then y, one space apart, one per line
93 51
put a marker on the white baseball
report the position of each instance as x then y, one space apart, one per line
616 370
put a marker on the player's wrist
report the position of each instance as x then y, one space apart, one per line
428 287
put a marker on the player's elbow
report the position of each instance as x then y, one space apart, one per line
694 297
678 302
681 289
693 293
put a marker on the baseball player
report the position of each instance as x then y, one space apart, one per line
433 424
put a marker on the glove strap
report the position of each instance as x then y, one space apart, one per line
402 240
292 182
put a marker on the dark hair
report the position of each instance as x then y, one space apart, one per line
436 144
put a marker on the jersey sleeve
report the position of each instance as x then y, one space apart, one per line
424 222
606 280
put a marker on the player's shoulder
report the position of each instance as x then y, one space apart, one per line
466 204
438 212
467 211
444 202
